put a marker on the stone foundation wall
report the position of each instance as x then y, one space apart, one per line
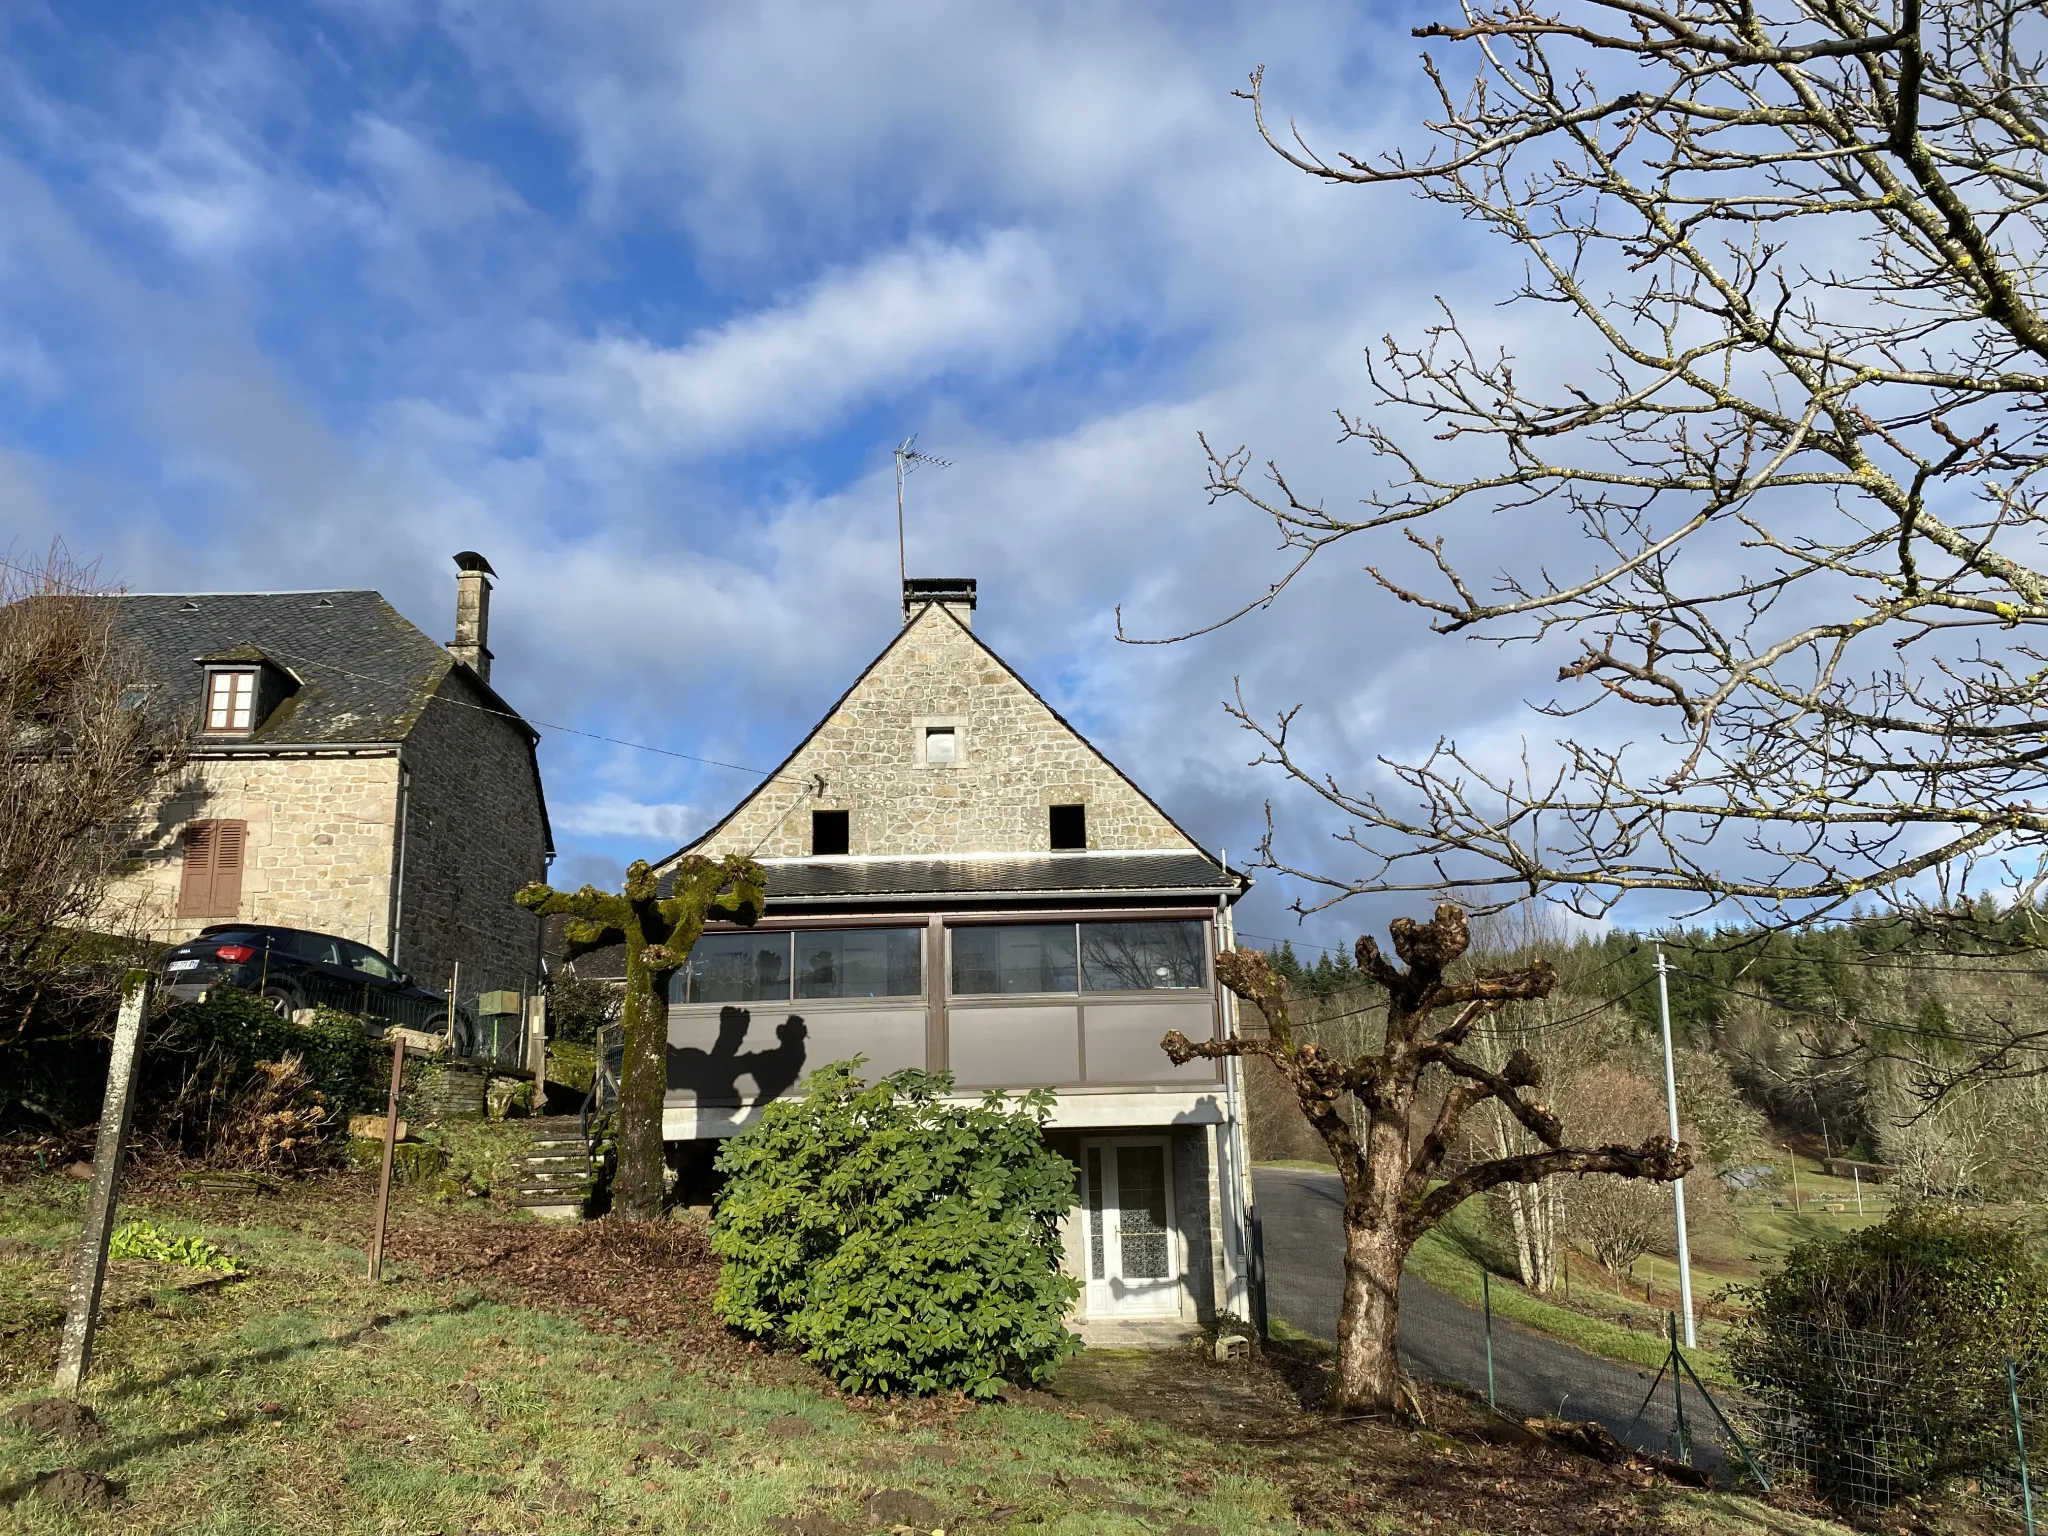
1016 759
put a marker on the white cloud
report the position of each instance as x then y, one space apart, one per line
796 367
619 816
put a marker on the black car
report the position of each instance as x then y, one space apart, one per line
292 968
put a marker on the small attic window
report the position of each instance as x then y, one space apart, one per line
325 602
188 607
230 699
1068 826
831 832
941 744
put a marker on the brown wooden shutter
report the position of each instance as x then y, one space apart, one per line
195 888
229 837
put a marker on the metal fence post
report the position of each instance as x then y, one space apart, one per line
1678 1390
1486 1300
2019 1440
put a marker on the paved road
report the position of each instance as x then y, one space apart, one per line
1301 1216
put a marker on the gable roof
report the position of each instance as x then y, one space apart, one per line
931 613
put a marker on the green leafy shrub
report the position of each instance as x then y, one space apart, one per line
1879 1357
144 1240
901 1243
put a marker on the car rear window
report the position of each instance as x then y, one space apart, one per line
229 938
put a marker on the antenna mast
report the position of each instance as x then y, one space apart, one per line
907 459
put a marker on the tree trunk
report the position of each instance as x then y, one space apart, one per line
1368 1328
637 1183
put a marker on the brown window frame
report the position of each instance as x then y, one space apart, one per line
231 676
213 856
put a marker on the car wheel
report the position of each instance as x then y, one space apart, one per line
282 1001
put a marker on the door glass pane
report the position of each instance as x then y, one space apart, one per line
1019 957
859 962
1095 1254
1141 957
735 968
1141 1211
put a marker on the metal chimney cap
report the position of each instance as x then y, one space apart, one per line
939 589
470 560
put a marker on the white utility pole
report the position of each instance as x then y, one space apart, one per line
1677 1185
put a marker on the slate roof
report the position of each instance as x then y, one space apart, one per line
365 673
996 877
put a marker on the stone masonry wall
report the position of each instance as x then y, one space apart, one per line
474 835
320 838
1016 759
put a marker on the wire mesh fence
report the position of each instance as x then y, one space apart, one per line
1859 1421
1869 1420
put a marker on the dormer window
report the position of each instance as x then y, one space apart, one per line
231 700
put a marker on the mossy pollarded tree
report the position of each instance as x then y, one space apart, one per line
658 932
1395 1183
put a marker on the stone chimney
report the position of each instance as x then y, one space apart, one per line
471 645
955 594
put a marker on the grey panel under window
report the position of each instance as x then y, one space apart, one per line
1142 957
860 962
735 968
1018 1046
1013 958
1123 1041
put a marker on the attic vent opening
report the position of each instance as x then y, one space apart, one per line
1068 826
831 832
325 602
941 744
188 607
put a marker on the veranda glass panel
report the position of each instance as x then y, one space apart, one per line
859 962
1142 957
1141 1216
1013 957
735 968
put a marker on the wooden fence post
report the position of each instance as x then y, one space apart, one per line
89 1272
390 1151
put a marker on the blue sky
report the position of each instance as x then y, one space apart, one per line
636 298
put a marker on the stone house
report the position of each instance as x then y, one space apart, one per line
348 775
958 881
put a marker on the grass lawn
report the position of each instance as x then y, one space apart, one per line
300 1398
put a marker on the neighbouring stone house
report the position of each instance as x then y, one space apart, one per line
348 775
958 881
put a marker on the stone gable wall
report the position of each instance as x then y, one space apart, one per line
320 836
1016 759
474 835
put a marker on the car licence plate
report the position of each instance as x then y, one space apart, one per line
182 965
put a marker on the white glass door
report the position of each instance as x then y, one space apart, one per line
1127 1196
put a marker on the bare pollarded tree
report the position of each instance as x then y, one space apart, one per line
1391 1116
1774 482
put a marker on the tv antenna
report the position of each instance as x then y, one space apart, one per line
908 458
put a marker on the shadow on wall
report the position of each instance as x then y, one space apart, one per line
713 1076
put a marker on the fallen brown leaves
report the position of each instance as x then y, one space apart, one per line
649 1280
1468 1471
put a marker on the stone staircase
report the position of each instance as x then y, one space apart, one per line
552 1177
